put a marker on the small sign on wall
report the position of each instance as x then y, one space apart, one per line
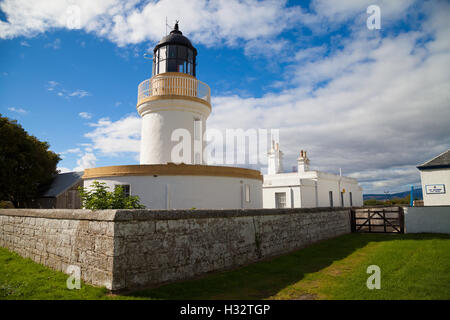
435 188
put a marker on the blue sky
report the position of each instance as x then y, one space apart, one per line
372 102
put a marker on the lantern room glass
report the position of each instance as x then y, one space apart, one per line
174 58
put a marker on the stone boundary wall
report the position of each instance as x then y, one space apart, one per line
59 238
123 249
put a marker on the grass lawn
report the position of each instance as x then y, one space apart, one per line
412 267
24 279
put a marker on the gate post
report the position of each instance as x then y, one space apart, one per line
401 218
352 220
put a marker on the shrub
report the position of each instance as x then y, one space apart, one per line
98 198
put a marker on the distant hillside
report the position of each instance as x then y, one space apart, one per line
417 194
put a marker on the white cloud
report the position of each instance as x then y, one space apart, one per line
72 150
88 160
339 11
85 115
18 110
310 54
51 85
113 137
393 179
207 22
63 169
24 44
267 47
62 92
55 45
79 93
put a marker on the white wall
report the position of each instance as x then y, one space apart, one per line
427 219
311 189
357 194
324 186
436 176
185 192
307 193
159 120
329 182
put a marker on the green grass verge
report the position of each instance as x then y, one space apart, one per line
24 279
413 266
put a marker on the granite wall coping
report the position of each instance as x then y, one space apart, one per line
149 214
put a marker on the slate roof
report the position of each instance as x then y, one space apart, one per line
440 161
62 182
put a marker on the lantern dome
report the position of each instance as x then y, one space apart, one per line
174 53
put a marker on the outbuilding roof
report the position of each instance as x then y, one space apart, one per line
62 182
440 161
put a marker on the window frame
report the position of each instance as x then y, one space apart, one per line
174 58
124 187
277 202
247 193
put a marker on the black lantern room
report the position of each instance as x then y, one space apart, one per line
174 53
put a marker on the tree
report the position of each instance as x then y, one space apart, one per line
26 164
98 198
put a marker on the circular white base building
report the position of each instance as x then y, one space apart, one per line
172 186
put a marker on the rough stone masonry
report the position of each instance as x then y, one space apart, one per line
124 249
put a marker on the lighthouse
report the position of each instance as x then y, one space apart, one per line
173 173
173 104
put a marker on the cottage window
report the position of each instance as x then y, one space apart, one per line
280 199
125 189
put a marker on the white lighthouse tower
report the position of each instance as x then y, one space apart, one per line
172 173
173 104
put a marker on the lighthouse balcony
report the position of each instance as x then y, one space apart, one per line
173 85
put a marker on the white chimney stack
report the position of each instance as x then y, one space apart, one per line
303 162
275 159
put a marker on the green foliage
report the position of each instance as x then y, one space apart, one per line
391 202
26 164
374 202
98 198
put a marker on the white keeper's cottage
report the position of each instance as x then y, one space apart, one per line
306 188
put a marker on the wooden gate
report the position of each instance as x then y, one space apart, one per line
378 220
